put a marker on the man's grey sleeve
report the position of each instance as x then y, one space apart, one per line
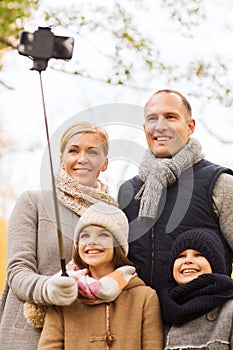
223 205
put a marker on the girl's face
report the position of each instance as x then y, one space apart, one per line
189 265
83 158
96 249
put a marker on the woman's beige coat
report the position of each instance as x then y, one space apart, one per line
34 255
134 321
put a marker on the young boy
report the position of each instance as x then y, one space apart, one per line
199 309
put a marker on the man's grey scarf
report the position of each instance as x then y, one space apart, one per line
159 173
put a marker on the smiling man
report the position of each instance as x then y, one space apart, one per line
176 189
168 123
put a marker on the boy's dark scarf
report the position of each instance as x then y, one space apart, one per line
187 302
159 173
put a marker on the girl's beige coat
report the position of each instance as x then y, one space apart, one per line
134 320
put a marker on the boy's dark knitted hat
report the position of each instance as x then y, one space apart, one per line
206 242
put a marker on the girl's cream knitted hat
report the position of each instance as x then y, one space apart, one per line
109 217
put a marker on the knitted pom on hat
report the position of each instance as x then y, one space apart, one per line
109 217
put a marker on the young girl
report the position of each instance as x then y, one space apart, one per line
199 309
114 308
33 254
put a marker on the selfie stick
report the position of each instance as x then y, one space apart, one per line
40 46
58 221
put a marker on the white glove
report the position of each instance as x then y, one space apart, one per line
60 290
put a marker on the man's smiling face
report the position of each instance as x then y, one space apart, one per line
167 125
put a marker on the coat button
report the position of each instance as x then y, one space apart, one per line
211 316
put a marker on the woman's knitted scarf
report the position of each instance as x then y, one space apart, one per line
78 197
159 173
106 289
186 302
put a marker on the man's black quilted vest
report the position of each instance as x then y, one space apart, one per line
185 205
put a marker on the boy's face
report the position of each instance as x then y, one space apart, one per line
188 265
96 249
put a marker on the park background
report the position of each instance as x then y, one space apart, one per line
124 51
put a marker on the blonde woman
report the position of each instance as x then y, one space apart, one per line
33 254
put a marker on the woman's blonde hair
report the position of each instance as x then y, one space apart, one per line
84 127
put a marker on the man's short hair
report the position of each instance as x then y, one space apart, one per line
184 100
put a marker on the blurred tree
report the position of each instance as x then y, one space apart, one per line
3 235
6 191
187 14
132 55
12 18
3 255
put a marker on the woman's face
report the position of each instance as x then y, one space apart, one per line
83 158
96 249
189 265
